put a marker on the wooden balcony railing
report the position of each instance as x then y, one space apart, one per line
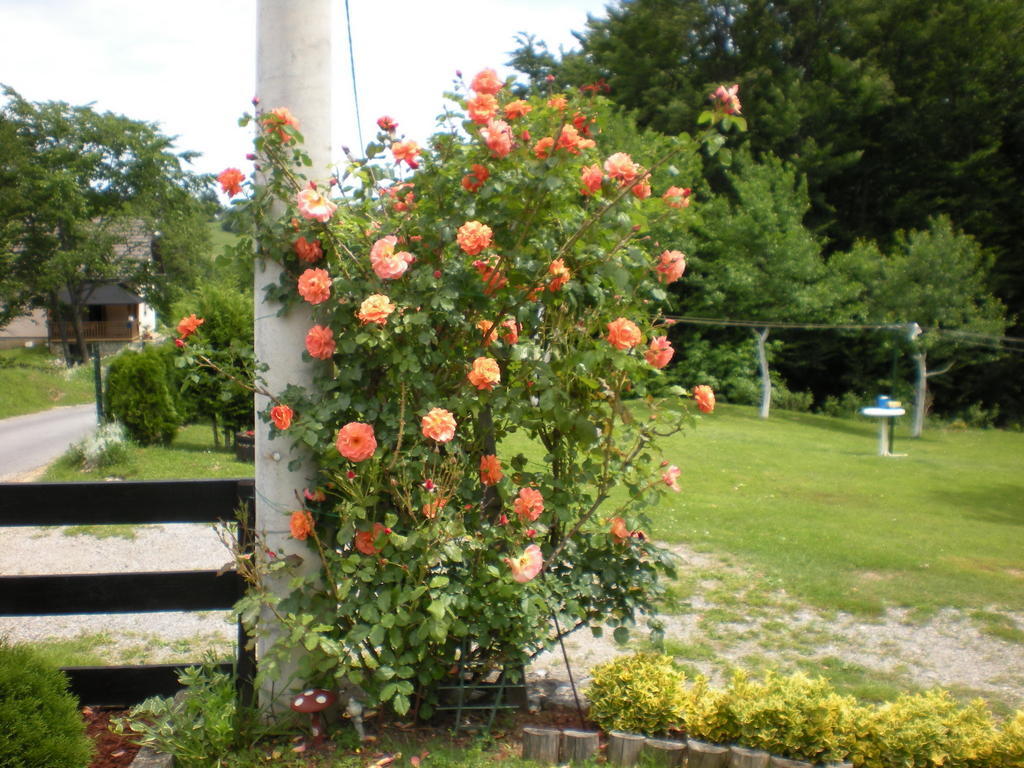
98 330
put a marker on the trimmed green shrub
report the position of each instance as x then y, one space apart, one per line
707 714
796 716
1009 747
642 693
926 730
138 396
40 726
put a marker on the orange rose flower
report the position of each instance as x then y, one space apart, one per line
619 531
623 334
315 286
375 309
432 508
677 197
476 178
356 441
489 332
309 251
558 102
527 565
387 264
511 327
486 81
705 398
482 108
621 166
281 415
659 352
669 477
671 265
641 190
439 425
498 137
490 469
189 325
474 237
320 342
366 541
277 119
517 108
387 123
542 149
529 504
569 139
231 181
407 151
591 176
485 373
313 205
301 524
493 279
560 275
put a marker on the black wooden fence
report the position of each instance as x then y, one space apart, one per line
137 503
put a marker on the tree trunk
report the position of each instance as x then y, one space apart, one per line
76 322
920 392
766 379
57 318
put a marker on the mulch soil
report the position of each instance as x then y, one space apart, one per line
112 750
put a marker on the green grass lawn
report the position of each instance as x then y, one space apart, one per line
191 455
806 500
32 380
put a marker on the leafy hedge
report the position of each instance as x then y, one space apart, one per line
804 718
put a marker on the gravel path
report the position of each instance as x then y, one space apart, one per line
948 649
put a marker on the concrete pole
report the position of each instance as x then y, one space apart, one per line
293 66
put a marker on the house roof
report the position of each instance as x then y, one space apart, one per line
108 293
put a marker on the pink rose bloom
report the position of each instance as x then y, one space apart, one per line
320 342
726 99
677 197
439 425
313 205
315 286
356 441
498 137
387 264
705 398
529 504
671 265
620 166
486 81
511 327
659 352
623 334
641 190
527 565
669 477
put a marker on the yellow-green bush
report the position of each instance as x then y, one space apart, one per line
795 716
707 715
1009 747
927 730
642 693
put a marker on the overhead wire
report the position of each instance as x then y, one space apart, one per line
352 69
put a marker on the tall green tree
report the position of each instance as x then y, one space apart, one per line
756 259
73 182
934 282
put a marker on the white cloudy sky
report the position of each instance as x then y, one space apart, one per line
189 65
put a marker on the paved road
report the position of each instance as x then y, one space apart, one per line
34 440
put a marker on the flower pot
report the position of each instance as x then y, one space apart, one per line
704 755
741 757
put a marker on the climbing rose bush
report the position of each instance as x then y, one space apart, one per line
489 387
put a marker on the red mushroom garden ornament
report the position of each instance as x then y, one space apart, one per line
313 701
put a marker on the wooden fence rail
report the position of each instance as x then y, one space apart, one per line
181 501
